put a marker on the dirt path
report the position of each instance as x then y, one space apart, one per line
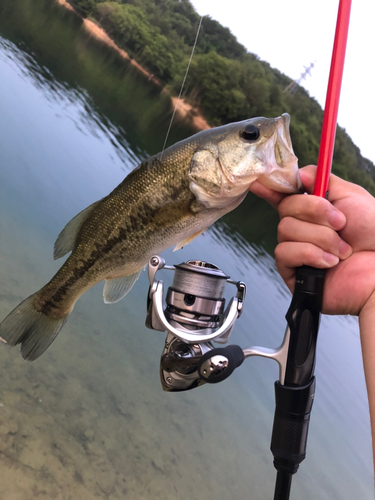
183 110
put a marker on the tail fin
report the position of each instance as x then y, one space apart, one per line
32 329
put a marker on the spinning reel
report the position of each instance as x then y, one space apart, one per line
195 316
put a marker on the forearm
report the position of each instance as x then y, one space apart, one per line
367 330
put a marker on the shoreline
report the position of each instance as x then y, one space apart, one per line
183 109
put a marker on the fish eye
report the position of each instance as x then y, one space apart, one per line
250 133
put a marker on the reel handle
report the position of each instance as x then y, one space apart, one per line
217 364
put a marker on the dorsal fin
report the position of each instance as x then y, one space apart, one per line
66 239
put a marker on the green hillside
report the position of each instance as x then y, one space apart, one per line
225 82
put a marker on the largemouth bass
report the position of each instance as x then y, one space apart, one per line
167 200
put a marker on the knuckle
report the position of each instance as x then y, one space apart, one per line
332 240
282 229
309 253
283 224
325 209
279 253
286 206
328 240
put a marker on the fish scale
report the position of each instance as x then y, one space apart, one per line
167 200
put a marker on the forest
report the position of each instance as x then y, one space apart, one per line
225 81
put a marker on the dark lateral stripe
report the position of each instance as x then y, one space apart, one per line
79 272
146 217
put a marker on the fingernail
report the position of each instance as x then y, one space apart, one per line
344 249
336 219
330 259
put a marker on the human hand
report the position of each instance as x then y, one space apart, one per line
338 234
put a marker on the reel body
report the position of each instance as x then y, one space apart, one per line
194 315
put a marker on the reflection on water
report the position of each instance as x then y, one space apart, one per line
89 419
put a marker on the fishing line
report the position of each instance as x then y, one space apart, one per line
182 86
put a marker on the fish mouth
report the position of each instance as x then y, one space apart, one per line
284 154
282 174
287 173
285 134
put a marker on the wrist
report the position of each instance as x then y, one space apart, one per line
367 332
367 316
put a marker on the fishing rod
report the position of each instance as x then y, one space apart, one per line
195 315
295 396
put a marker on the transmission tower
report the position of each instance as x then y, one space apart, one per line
294 84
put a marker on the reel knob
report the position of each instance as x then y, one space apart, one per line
217 364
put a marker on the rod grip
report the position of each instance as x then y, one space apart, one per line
303 318
291 424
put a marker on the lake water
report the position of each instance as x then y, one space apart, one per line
89 420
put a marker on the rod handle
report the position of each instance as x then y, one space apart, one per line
291 424
303 318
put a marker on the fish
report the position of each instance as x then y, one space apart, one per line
169 199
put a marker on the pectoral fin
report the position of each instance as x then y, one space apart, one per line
66 239
115 289
188 240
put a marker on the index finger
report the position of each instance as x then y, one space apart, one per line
312 209
272 197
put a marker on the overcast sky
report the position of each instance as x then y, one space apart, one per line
291 34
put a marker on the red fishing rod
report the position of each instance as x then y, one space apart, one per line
295 394
332 101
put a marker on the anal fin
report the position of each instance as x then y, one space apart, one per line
115 289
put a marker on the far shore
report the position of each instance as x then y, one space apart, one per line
183 109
